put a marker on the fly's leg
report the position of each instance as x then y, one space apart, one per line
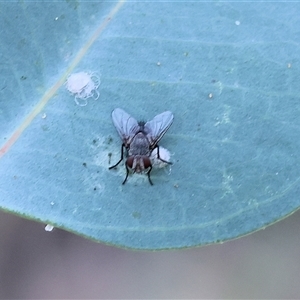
123 146
127 172
148 173
167 162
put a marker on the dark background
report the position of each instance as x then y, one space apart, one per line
39 264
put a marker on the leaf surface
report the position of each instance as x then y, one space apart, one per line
229 72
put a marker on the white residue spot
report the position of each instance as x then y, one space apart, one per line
163 154
83 86
237 23
49 227
44 116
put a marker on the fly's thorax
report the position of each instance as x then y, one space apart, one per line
139 145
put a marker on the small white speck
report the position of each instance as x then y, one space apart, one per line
52 203
56 19
158 63
44 116
49 227
237 23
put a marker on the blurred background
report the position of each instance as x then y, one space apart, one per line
39 264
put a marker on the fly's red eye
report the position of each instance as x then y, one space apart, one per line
129 161
147 162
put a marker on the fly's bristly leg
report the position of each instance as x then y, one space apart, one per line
127 172
122 155
148 173
167 162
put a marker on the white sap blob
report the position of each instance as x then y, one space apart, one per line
83 86
163 154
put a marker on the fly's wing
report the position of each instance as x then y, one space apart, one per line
126 125
156 128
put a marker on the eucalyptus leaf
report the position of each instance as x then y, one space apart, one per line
228 71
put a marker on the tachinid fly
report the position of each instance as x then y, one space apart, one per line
140 139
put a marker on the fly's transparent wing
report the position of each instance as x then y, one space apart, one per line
126 125
156 128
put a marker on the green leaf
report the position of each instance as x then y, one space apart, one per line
228 71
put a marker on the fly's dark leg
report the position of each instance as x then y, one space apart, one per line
148 173
123 146
127 172
167 162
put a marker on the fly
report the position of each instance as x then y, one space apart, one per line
140 139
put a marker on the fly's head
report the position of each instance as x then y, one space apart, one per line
138 163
